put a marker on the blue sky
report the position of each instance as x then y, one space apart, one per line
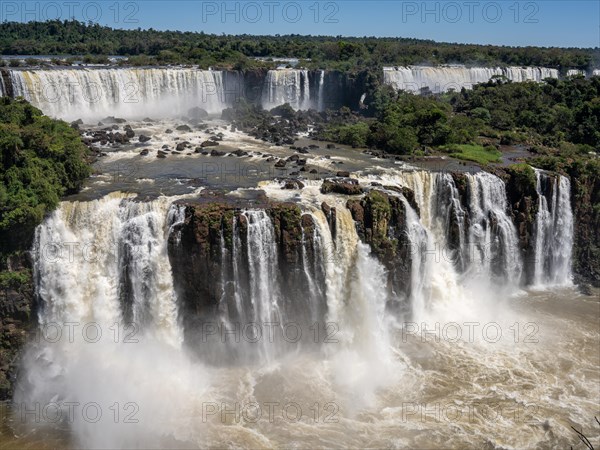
544 23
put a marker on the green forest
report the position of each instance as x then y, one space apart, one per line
557 114
41 159
146 47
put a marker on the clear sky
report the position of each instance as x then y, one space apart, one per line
504 22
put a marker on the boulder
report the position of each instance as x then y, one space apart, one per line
345 186
197 113
293 184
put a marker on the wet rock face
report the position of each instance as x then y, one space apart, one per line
17 319
211 262
523 203
347 186
381 222
585 198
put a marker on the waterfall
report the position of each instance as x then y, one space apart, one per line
265 293
553 231
321 95
105 261
493 240
443 78
460 240
287 86
132 92
280 268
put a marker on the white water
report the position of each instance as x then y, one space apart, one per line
287 86
553 231
321 95
132 93
82 252
443 78
492 235
365 372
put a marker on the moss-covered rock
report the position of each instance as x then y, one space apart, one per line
346 186
381 222
17 319
522 199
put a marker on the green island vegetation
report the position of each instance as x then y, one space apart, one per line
41 159
557 117
149 47
475 153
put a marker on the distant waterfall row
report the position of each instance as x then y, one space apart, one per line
157 92
444 78
93 93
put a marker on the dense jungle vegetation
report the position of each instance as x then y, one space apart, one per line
41 159
145 47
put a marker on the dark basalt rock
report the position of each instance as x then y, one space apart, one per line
293 184
347 186
182 146
144 138
200 252
129 132
183 128
17 322
144 152
209 143
381 222
523 202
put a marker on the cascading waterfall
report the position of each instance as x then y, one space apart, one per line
321 95
553 230
287 86
105 261
443 78
115 266
492 235
130 278
485 249
131 92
